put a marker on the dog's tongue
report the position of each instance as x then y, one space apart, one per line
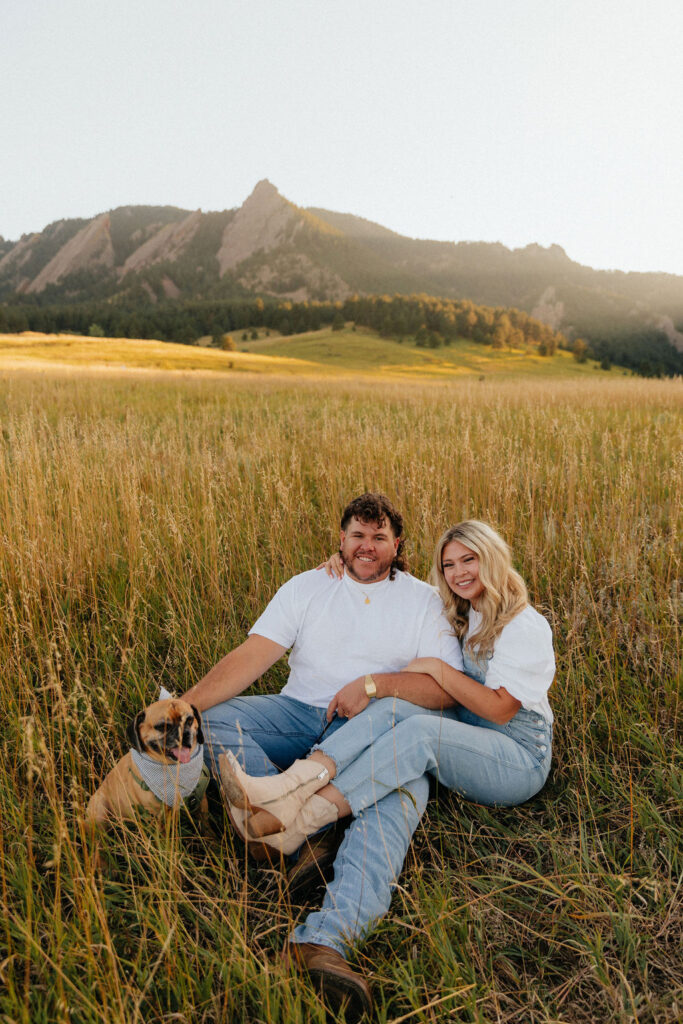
182 754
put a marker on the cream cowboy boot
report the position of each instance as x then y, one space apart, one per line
282 796
315 813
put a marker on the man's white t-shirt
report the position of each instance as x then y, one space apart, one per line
523 660
340 629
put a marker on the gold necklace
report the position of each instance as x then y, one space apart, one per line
367 599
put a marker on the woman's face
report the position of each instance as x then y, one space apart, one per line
461 571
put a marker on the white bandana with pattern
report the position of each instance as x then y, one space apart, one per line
170 783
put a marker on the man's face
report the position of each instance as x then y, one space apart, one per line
368 550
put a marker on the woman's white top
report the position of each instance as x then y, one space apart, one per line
522 661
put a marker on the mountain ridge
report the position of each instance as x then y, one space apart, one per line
272 248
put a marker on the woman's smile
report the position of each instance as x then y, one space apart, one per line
461 571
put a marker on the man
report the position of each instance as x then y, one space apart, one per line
373 621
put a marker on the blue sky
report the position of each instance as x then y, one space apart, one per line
550 121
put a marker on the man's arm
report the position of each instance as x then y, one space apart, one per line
416 687
235 672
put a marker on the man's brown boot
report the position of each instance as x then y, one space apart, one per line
341 987
307 878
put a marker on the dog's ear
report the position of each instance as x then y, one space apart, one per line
200 734
133 732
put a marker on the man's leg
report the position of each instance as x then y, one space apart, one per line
266 732
366 870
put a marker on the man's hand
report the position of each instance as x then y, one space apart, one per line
349 701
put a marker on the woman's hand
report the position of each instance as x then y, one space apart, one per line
334 567
428 666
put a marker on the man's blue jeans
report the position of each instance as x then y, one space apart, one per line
393 744
366 869
370 859
265 732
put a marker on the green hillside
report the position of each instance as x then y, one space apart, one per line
365 352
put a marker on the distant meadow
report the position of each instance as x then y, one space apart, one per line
146 520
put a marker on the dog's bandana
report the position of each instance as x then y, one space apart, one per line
169 782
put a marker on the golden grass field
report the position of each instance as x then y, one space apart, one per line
148 517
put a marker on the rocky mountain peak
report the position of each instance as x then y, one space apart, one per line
544 253
263 221
263 188
90 247
167 244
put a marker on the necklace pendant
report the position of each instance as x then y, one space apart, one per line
367 600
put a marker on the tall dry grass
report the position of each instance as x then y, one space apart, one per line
145 523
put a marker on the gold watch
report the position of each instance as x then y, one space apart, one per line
370 686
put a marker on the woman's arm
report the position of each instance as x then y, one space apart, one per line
497 706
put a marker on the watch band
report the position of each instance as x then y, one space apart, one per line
370 686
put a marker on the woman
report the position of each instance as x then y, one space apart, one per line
493 747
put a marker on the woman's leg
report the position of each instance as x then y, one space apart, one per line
360 733
483 765
277 800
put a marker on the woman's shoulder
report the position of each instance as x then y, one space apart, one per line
523 658
529 625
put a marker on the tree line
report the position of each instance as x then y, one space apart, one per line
430 321
424 320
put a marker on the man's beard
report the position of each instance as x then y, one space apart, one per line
382 569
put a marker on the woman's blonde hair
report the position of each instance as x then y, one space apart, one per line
505 593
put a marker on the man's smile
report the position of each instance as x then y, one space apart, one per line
368 565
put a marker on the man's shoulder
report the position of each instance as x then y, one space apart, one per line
295 595
311 581
420 590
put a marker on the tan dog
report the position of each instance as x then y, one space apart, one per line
163 771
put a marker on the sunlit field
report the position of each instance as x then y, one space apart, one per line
146 520
32 350
315 353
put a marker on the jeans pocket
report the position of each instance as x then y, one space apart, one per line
533 733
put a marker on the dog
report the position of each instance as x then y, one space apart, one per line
163 770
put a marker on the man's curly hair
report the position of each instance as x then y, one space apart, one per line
374 507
